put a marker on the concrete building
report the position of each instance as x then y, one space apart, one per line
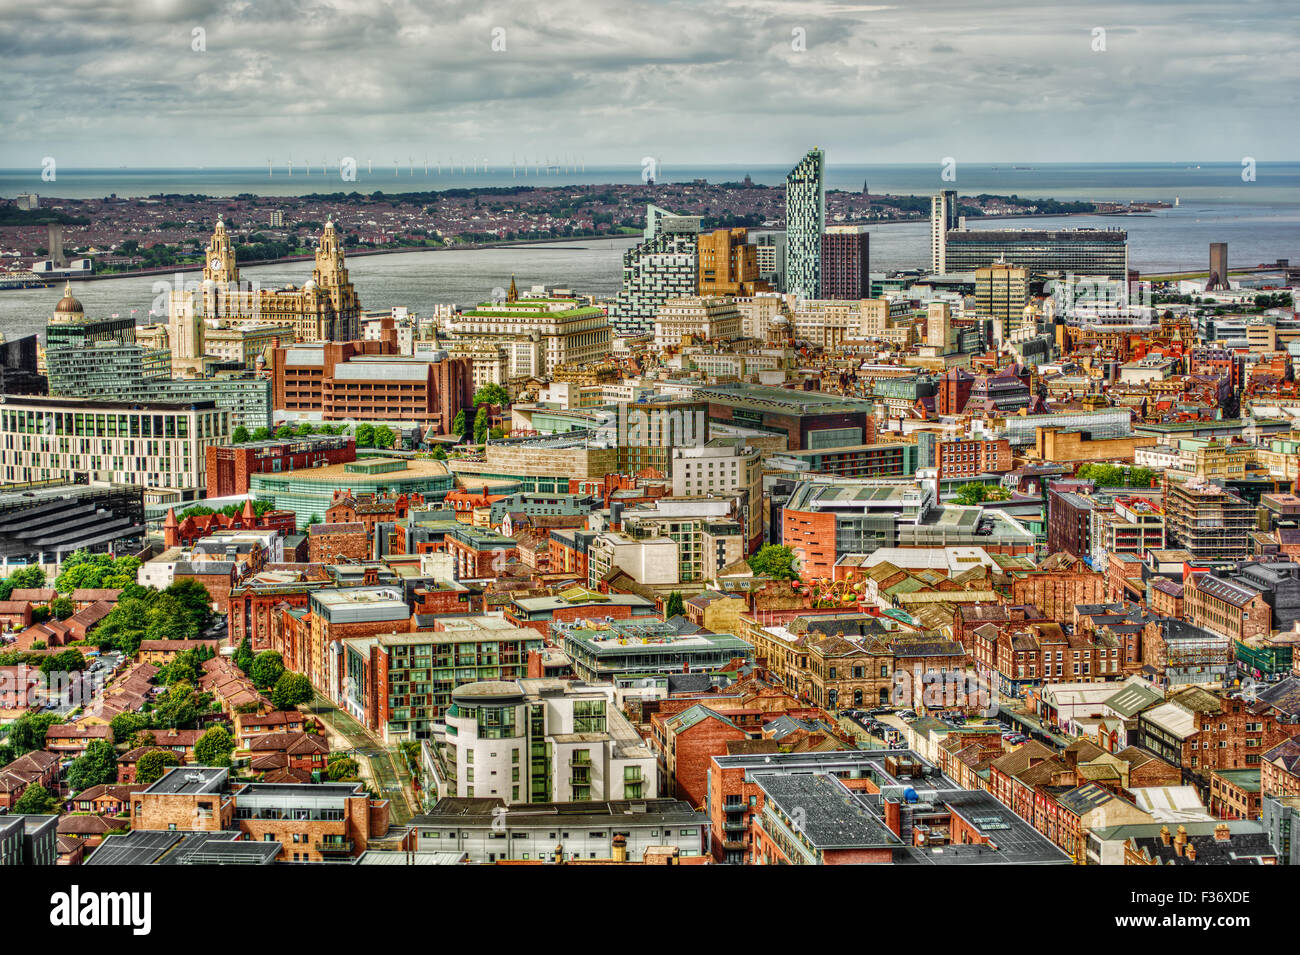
943 219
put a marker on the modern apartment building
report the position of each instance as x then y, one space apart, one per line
664 265
708 535
805 222
537 741
400 684
162 447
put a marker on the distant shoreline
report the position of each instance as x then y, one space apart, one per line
507 244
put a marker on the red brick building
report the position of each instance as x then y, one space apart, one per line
229 468
177 533
337 543
971 457
367 380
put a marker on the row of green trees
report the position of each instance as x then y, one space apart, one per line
241 434
1117 475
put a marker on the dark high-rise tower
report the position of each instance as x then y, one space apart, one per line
1218 267
846 263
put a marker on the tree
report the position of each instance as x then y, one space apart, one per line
214 747
153 765
439 454
22 579
970 494
126 725
61 608
340 766
458 423
675 607
36 801
384 436
481 425
491 394
365 435
244 655
98 765
290 690
284 431
267 668
28 731
304 429
774 560
261 434
240 435
314 519
194 600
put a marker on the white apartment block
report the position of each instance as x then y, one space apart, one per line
723 466
161 447
652 561
540 740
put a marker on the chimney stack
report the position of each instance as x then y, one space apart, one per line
1180 839
620 848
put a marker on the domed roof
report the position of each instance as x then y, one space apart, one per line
68 305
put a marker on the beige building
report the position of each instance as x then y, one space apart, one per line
489 360
1001 293
712 318
539 334
326 308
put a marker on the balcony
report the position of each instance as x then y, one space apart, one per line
331 846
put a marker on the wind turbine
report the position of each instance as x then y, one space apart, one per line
369 166
268 169
290 168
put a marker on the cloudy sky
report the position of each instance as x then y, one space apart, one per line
120 82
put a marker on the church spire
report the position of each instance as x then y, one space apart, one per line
513 294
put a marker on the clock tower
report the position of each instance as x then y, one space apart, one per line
219 263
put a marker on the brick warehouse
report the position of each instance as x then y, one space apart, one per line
228 469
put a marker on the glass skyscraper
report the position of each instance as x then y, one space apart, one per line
805 221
